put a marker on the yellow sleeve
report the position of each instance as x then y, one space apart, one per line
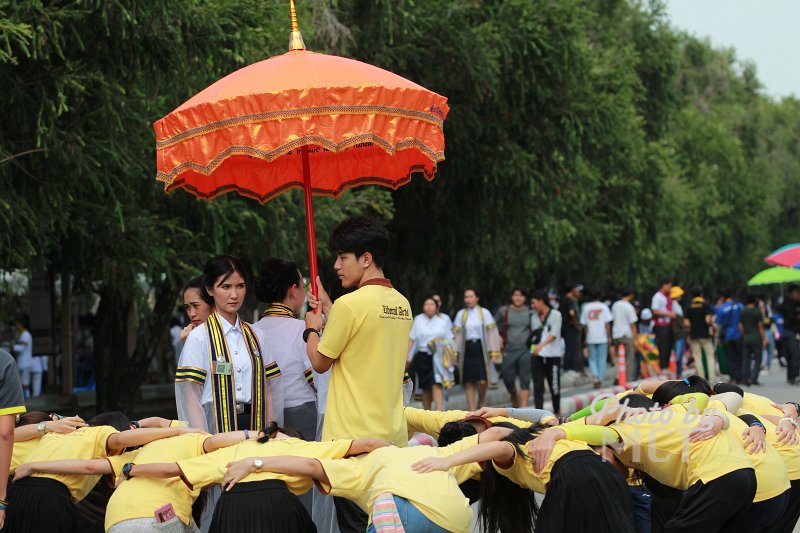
118 461
207 469
346 477
101 434
469 470
338 331
178 423
429 422
330 449
517 422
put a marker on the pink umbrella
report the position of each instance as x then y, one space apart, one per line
788 256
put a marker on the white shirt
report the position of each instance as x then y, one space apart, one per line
676 308
473 329
196 353
623 315
659 303
595 316
289 350
447 320
424 330
24 349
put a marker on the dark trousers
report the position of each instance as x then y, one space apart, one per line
734 350
791 348
349 516
664 342
573 360
546 368
786 523
641 499
764 514
751 361
718 505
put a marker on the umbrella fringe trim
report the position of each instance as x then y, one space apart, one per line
334 193
270 156
299 113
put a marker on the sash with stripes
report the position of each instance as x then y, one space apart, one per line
284 311
223 392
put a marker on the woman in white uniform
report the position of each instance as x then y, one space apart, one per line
227 379
431 354
280 286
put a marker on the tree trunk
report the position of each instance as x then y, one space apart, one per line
121 365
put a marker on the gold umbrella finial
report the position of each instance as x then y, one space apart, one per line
295 38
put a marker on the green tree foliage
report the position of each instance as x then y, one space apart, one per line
586 141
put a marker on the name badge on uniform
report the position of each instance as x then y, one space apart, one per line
223 368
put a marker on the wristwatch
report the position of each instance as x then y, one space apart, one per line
42 427
258 464
308 332
126 470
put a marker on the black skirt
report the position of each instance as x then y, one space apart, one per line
422 367
261 506
474 363
41 505
586 493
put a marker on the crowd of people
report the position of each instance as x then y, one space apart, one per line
302 425
540 336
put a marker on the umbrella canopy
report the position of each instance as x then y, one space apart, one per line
301 120
788 256
776 274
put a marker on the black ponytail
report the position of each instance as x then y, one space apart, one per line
273 428
275 277
505 506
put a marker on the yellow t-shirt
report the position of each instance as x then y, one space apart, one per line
771 477
658 445
367 336
759 405
431 422
20 453
139 497
436 494
789 454
83 443
522 473
211 467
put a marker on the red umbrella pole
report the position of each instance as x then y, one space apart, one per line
312 241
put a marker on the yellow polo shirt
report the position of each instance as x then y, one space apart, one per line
20 453
759 405
431 422
771 477
211 467
789 454
83 443
658 445
522 473
139 497
367 337
436 494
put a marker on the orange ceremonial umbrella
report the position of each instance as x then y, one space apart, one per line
305 120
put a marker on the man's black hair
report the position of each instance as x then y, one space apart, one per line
727 293
519 290
540 295
698 291
360 235
664 281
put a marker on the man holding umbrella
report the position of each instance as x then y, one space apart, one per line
364 346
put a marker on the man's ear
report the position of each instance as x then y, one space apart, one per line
365 259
